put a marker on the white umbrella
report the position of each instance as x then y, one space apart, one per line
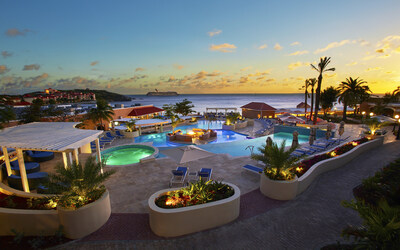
185 154
341 128
312 136
295 141
292 119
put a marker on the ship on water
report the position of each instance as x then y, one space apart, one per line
158 93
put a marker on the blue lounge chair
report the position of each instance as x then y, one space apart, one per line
34 180
105 140
93 146
253 169
119 135
110 136
178 176
39 156
30 167
205 174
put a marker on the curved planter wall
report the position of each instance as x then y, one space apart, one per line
288 190
278 190
76 223
85 220
186 220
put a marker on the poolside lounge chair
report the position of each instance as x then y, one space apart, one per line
39 156
178 176
34 180
93 146
205 174
30 167
253 169
119 135
110 136
105 140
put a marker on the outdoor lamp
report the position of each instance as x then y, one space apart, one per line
363 113
371 114
396 116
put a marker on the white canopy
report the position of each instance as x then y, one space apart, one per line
47 136
185 154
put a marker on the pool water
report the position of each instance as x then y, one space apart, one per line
160 139
125 155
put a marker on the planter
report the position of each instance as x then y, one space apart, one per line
278 190
85 220
185 220
132 134
30 222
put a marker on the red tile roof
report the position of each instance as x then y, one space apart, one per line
138 111
21 104
258 106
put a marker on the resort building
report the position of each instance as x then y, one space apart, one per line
256 110
145 112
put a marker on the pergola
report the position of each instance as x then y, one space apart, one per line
47 136
225 109
143 123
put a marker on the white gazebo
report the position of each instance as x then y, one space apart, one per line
47 136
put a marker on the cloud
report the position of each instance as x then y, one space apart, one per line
94 63
296 65
385 56
278 46
295 43
366 58
298 53
335 45
373 69
364 43
214 33
267 72
139 69
178 67
13 32
327 75
388 43
3 69
31 67
264 46
6 54
352 64
246 68
225 47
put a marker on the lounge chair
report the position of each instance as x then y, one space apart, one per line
119 135
253 169
105 140
34 180
205 174
93 146
178 176
30 167
110 136
39 156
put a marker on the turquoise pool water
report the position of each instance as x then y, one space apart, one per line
125 155
160 139
228 142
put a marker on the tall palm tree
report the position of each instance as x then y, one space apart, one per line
351 92
311 83
103 112
306 95
321 68
328 98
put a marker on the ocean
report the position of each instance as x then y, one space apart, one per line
203 101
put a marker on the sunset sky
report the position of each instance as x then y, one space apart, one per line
132 47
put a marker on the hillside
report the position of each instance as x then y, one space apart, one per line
103 94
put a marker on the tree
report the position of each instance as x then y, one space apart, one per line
352 92
278 162
170 112
232 118
6 114
321 68
33 113
184 107
311 83
103 112
306 95
328 98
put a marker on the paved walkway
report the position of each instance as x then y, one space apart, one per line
312 220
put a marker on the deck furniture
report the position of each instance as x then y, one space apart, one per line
205 174
178 176
34 180
30 167
253 169
39 156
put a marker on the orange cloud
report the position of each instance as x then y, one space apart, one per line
139 69
178 67
94 63
3 69
278 46
335 45
225 47
214 33
298 53
31 67
264 46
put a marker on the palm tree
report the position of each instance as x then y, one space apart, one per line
322 67
351 92
278 162
103 112
306 95
311 83
328 98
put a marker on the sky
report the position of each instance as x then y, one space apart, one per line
196 47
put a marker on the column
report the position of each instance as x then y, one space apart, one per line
22 170
65 161
98 153
7 160
76 156
70 158
161 128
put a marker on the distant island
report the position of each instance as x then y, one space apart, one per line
168 93
106 95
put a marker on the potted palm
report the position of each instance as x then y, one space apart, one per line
277 180
83 201
374 126
131 130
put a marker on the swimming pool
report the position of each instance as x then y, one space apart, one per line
160 139
126 155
